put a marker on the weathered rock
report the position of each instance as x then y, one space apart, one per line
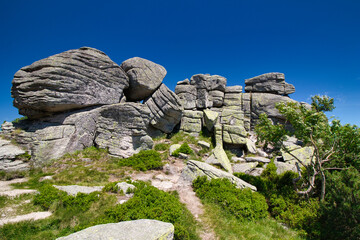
244 167
210 119
269 83
219 157
144 77
204 144
255 172
7 128
73 190
9 157
121 128
283 167
173 148
143 229
305 154
257 159
217 98
233 89
265 103
238 159
233 96
187 95
250 146
70 80
166 109
123 186
196 169
191 122
183 156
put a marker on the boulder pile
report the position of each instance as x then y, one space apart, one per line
81 98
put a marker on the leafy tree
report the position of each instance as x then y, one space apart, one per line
310 125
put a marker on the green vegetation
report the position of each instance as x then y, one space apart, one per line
162 147
328 188
184 148
143 161
241 203
152 203
18 120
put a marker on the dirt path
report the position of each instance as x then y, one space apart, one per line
169 180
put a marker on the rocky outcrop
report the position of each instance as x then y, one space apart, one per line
269 83
143 229
187 94
144 77
165 109
66 81
10 157
196 169
219 157
122 129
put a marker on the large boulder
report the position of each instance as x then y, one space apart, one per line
52 137
187 94
165 109
143 229
144 77
219 157
9 157
196 169
122 129
191 122
269 83
66 81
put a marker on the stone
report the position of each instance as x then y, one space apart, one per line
10 159
235 135
165 109
183 156
73 190
183 82
210 119
250 146
217 98
191 122
122 129
233 89
256 172
269 83
173 148
187 95
144 78
66 81
257 159
7 128
304 154
238 159
142 229
219 157
123 186
282 167
204 144
244 167
265 103
196 169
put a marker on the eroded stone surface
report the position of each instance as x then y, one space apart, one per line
66 81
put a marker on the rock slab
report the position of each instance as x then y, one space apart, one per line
143 229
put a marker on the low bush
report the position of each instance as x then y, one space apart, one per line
143 161
162 147
184 148
151 203
242 203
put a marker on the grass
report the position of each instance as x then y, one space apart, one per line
228 227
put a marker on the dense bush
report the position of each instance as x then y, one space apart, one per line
242 203
49 195
184 148
151 203
144 160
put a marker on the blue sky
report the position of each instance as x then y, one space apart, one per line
315 43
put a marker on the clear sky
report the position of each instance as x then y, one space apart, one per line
315 43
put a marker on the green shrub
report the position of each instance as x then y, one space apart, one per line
111 187
144 160
151 203
162 147
184 148
242 203
18 120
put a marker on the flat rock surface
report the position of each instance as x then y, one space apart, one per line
75 189
7 190
27 217
143 229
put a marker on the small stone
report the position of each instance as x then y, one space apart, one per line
244 167
257 159
124 186
173 148
183 156
73 190
204 144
